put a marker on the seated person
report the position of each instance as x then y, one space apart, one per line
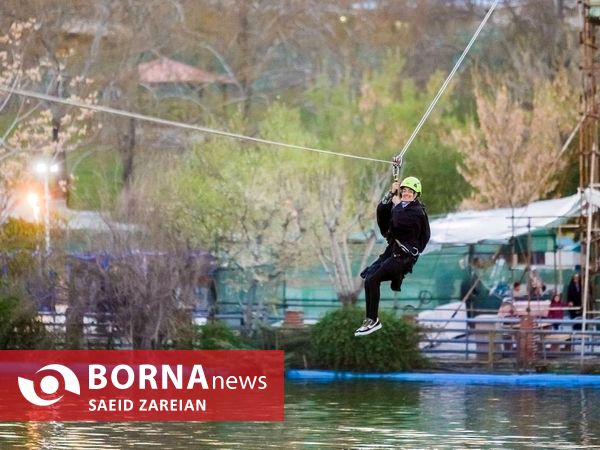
536 285
555 312
517 292
507 308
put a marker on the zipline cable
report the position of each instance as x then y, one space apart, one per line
398 159
172 123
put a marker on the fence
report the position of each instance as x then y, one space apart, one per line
489 338
274 313
96 330
485 338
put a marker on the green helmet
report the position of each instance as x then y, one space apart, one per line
412 183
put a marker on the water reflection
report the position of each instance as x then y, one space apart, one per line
359 414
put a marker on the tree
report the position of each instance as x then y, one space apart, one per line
276 49
144 297
243 202
263 209
103 40
139 281
339 217
512 157
146 28
373 120
20 327
35 129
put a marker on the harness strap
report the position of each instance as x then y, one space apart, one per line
414 252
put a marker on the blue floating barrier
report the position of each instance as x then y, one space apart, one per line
537 379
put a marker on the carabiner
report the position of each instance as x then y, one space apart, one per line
396 165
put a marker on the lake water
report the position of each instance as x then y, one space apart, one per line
360 414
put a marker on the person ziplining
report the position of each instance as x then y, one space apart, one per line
403 221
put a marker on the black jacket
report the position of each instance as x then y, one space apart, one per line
574 294
409 225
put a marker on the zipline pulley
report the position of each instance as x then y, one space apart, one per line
396 166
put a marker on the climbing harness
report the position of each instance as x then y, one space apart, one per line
414 252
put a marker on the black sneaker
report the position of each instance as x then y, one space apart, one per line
368 326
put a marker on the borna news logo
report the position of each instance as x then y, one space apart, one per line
49 385
140 385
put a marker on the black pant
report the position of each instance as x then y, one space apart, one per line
393 267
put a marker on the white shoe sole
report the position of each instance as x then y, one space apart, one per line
369 331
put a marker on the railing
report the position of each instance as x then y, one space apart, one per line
490 338
314 309
486 338
95 329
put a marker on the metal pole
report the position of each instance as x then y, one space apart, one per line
529 266
47 212
513 255
560 269
588 248
555 263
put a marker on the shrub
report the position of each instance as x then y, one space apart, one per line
393 348
20 327
18 234
217 336
295 343
18 240
590 369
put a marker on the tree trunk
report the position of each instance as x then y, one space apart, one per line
63 185
348 298
246 66
126 141
74 328
249 310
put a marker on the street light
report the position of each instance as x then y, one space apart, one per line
33 200
45 170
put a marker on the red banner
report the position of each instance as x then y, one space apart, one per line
141 385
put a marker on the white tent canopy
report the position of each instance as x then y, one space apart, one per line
499 225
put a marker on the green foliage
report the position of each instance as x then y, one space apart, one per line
430 157
199 190
19 239
18 234
275 205
97 180
295 343
20 328
217 336
393 348
443 187
590 369
377 121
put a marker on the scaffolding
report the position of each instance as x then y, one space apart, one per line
589 166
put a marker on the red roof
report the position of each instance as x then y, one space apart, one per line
165 70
